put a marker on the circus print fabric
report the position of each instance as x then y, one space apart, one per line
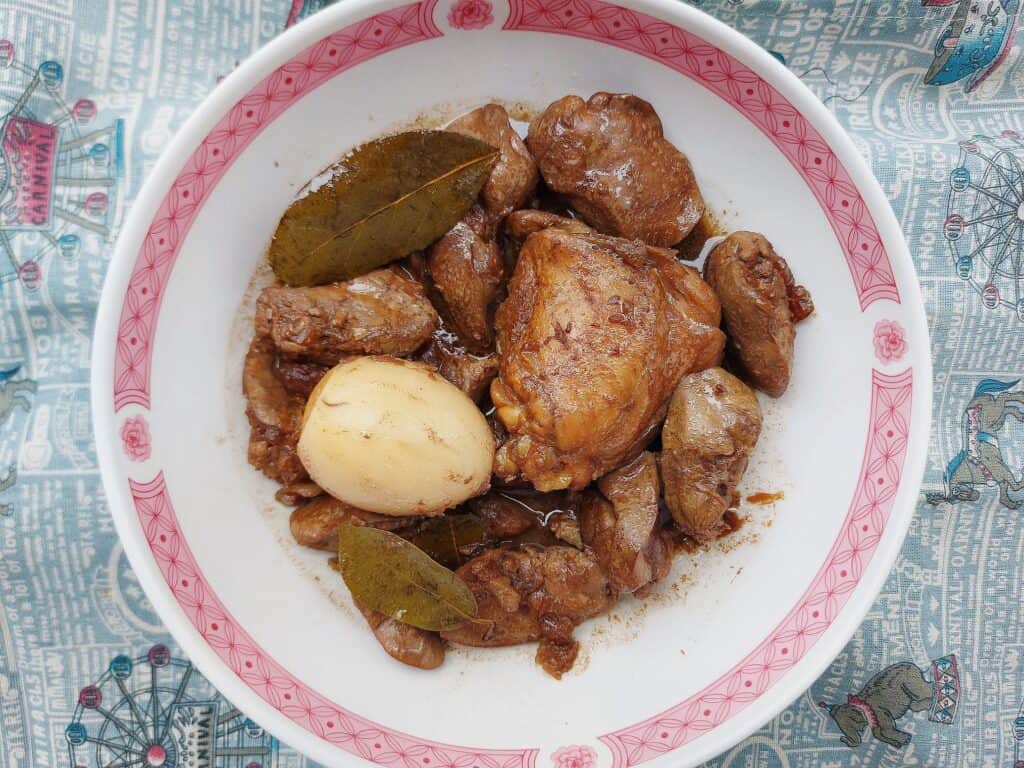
932 93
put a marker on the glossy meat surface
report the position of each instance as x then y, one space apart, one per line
502 516
514 176
293 494
404 642
712 427
381 313
761 304
275 416
315 524
522 594
470 373
468 271
592 339
609 157
521 224
620 525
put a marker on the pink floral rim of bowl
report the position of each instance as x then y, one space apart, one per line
574 756
890 341
471 14
679 49
135 438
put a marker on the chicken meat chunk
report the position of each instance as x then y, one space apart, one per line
761 305
466 265
382 313
404 642
713 424
533 593
470 373
315 524
275 416
298 376
609 157
619 522
592 340
467 270
514 176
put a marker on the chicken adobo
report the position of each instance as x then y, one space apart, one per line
502 430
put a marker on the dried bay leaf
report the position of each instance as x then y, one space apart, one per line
384 200
392 576
448 539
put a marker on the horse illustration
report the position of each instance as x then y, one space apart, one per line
10 392
975 42
889 695
980 461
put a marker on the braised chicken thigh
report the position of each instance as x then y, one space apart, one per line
592 339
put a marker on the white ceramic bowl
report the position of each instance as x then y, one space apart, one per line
740 630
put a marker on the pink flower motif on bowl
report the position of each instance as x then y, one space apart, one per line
135 438
471 14
890 341
574 756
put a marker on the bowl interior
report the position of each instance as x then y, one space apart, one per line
718 607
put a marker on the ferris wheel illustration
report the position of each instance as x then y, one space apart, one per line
156 711
984 226
58 171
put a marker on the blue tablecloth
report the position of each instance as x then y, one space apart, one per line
933 94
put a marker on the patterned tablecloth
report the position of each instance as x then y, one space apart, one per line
933 95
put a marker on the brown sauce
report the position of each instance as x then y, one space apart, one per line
691 246
762 497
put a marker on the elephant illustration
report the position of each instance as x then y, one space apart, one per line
980 461
888 696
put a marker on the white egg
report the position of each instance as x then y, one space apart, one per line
392 436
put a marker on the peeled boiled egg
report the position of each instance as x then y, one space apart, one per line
393 437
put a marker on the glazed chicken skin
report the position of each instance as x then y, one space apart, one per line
619 522
381 313
521 224
592 339
761 305
713 424
609 157
466 265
